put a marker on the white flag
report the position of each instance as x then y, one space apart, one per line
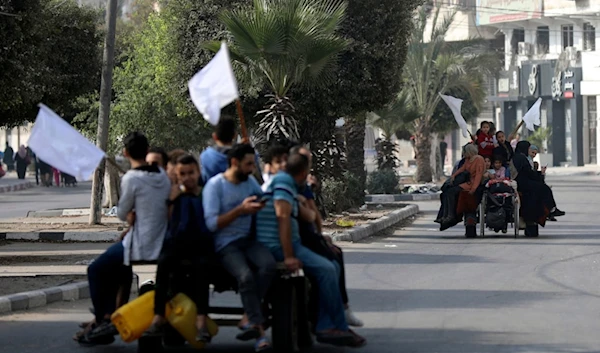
57 143
455 104
214 86
532 117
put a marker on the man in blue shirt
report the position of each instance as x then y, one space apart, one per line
214 159
230 199
277 229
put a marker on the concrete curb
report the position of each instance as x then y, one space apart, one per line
590 173
401 197
16 187
62 236
375 226
43 297
62 212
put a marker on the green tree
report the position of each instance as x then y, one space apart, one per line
49 52
395 117
280 44
368 77
435 66
147 98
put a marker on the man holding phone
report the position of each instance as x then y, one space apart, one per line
230 199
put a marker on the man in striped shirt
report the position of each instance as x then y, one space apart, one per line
277 229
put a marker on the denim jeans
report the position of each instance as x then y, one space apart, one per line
105 276
327 274
237 257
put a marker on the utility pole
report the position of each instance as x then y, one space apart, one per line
104 111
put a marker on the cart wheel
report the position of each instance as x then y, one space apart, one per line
482 215
517 218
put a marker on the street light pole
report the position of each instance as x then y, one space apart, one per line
104 111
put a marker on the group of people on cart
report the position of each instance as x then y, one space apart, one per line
490 161
214 211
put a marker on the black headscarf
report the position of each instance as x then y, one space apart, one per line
523 148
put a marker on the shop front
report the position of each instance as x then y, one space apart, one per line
562 108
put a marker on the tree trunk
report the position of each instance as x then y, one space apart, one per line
112 186
104 110
355 128
423 153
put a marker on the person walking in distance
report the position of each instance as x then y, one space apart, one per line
443 150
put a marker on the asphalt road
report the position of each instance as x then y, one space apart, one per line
419 290
18 203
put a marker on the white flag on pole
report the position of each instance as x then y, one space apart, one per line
532 117
455 105
214 87
57 143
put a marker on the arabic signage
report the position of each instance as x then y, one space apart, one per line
499 11
539 79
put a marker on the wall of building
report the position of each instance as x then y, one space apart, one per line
573 34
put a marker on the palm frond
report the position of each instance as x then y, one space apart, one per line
287 42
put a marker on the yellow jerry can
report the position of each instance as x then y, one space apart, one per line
135 317
182 316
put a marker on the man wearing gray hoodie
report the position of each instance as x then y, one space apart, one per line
145 189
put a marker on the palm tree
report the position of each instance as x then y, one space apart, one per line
280 44
393 118
435 66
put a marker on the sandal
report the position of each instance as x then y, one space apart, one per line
335 337
262 345
86 338
359 341
249 332
203 335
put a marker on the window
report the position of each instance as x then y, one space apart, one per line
589 37
517 37
543 40
567 35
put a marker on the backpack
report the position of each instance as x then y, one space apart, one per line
495 216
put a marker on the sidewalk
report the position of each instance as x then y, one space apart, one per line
65 228
10 182
588 169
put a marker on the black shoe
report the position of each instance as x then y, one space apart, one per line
154 331
105 328
248 333
557 213
551 218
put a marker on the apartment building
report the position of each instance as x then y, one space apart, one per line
550 53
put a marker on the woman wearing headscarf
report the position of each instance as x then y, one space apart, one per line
22 161
475 166
536 194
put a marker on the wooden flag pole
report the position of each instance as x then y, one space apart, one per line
246 139
240 112
513 134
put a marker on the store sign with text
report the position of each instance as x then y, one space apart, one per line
565 84
499 11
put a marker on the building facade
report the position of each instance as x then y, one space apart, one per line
550 53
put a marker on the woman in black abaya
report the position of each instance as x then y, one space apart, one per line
536 194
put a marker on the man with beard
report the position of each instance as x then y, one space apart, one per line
230 200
